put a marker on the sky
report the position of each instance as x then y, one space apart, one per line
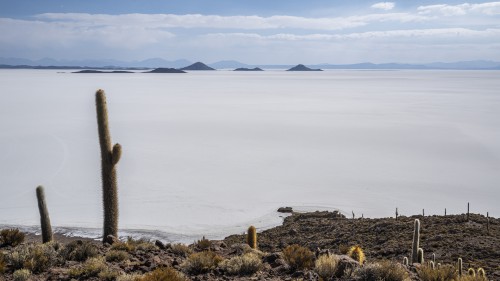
253 32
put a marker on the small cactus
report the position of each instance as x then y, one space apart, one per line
397 214
110 155
481 272
459 266
416 242
357 254
432 265
44 215
471 272
252 237
405 261
468 212
420 256
434 257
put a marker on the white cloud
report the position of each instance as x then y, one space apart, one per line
412 34
489 8
224 22
386 6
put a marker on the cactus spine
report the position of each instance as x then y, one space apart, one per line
252 237
459 266
109 158
44 215
420 256
416 242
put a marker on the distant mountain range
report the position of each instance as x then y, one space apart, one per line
230 64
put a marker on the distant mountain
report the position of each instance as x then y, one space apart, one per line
301 67
197 66
50 63
248 69
228 64
149 63
165 70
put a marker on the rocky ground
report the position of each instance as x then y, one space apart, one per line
448 237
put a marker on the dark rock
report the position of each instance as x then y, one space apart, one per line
285 210
160 245
110 239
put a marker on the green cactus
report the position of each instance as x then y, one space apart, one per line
420 256
416 242
459 266
44 215
252 237
109 158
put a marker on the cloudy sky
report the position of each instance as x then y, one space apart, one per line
254 32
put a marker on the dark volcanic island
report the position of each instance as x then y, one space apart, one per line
165 70
197 66
301 67
248 69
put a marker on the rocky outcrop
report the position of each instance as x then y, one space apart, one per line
197 66
301 67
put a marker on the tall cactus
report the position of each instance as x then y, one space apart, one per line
252 237
44 215
460 267
110 155
416 242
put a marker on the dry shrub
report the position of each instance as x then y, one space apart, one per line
385 270
343 249
91 268
11 237
79 250
164 274
21 275
201 262
326 266
132 245
116 256
35 257
246 264
357 254
181 250
203 244
298 257
129 277
443 273
108 275
3 263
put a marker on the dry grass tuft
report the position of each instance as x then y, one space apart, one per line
11 237
203 244
385 270
21 275
298 257
201 262
246 264
91 268
326 266
164 274
181 250
443 273
79 250
116 256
